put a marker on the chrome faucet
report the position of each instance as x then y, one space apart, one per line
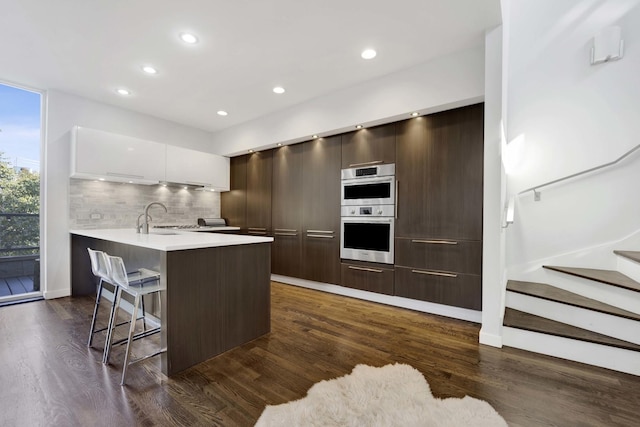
144 227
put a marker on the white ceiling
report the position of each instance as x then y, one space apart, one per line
91 47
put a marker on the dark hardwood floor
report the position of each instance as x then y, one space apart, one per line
48 377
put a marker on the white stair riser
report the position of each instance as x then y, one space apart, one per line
612 295
606 324
593 354
629 267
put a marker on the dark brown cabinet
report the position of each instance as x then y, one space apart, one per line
321 210
367 277
371 146
457 289
439 169
439 160
293 194
233 203
259 171
286 218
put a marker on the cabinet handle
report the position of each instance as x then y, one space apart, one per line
257 232
125 175
257 229
287 230
375 162
320 236
284 234
434 273
435 242
372 270
320 231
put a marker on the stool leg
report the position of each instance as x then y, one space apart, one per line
144 315
112 324
95 313
132 328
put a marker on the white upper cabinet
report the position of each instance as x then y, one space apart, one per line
197 168
97 154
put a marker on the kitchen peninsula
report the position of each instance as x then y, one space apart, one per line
217 286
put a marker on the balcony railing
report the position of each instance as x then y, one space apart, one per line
19 253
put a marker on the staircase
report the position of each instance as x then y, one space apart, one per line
589 315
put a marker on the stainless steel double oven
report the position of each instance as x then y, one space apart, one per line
368 213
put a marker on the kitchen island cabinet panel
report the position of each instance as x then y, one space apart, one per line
370 146
259 175
233 203
221 300
321 209
286 250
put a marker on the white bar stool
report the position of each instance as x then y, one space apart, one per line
137 284
101 269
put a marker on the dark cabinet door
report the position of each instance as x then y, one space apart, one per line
321 210
372 146
439 160
233 203
286 249
259 168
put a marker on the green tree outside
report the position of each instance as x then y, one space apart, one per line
19 194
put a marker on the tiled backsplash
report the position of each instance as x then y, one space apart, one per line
112 205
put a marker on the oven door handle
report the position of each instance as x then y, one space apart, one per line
361 181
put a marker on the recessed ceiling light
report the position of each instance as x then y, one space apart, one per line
130 182
185 187
279 144
100 179
222 113
188 38
368 54
122 91
278 89
358 126
149 69
415 114
251 151
314 136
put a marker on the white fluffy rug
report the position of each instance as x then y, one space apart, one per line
393 395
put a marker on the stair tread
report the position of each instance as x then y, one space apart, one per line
551 293
521 320
610 277
632 255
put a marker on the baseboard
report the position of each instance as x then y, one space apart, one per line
423 306
490 339
617 359
58 293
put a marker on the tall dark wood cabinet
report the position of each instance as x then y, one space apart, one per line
233 203
371 146
439 168
286 249
259 171
321 210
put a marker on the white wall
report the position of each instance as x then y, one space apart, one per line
570 116
437 85
493 202
63 112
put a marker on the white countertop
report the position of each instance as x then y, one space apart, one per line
170 240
